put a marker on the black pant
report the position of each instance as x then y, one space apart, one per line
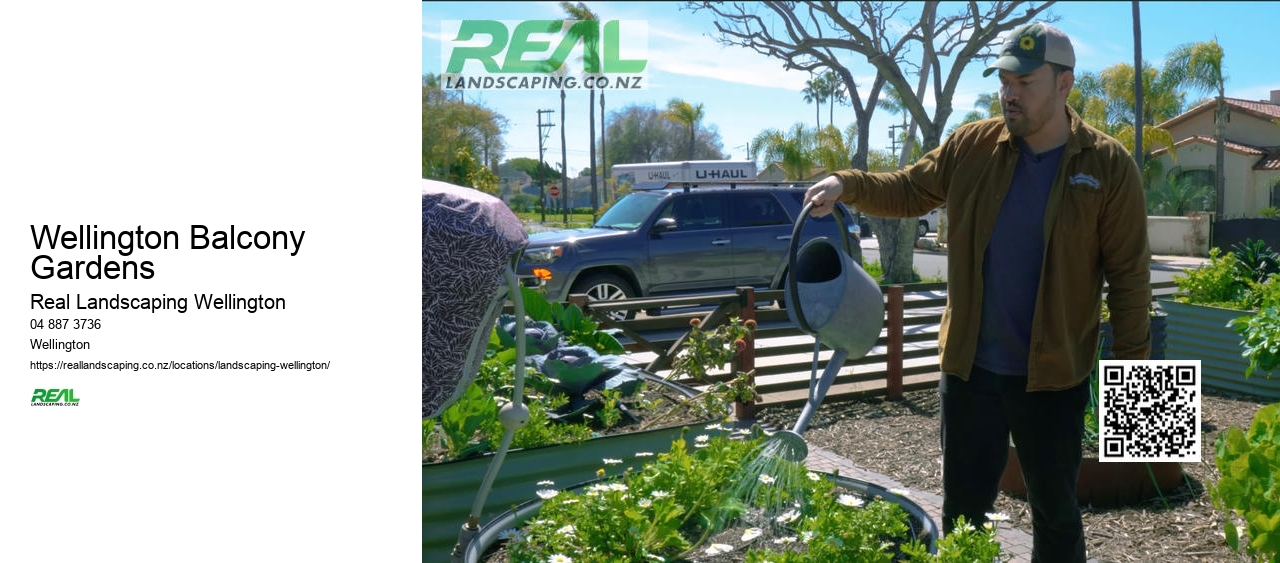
977 418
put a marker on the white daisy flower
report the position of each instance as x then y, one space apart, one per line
644 454
611 461
767 479
660 494
702 438
718 548
807 536
617 487
512 534
751 534
558 558
546 483
567 530
645 503
850 500
788 517
715 426
654 557
997 516
569 501
812 476
785 540
546 494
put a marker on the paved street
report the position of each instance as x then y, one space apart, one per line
931 263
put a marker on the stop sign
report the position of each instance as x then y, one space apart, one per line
554 191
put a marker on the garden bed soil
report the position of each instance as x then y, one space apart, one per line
901 439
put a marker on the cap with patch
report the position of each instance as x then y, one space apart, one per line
1032 45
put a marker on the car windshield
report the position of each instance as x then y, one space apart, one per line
630 211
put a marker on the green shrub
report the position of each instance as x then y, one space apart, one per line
1247 489
1255 260
1215 283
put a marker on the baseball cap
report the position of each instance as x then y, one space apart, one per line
1032 45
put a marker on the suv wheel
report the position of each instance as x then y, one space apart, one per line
606 287
922 229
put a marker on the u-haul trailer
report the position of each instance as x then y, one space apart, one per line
656 175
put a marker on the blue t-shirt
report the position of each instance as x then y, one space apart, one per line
1012 262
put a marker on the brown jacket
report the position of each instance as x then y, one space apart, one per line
1095 227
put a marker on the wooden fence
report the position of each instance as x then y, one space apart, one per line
904 357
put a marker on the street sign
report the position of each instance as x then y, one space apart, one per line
554 191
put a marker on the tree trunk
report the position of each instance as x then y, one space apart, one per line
591 126
1220 130
1138 155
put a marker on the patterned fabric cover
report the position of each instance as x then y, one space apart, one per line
468 241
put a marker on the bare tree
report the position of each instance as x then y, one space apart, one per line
822 35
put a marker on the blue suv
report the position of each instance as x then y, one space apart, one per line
678 241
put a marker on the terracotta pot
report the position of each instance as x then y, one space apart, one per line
1104 484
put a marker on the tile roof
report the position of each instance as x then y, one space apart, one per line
1259 109
1270 155
1233 147
1269 162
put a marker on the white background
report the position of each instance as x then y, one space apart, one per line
263 115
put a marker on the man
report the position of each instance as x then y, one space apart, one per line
1041 208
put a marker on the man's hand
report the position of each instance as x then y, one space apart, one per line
824 195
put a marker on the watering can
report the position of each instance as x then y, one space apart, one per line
831 297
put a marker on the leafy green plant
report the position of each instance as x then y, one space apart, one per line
1269 212
707 350
1260 339
1215 283
1255 260
671 508
1249 487
576 386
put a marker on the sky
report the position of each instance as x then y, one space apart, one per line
744 93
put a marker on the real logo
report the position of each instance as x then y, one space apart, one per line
536 54
54 397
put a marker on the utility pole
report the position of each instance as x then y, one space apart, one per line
542 182
893 137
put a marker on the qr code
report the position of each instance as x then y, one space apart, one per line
1149 410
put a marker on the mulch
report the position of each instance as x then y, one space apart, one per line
901 439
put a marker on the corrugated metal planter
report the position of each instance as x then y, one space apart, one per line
519 514
1199 332
449 488
1159 333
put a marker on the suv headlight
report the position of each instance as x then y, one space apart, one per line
544 255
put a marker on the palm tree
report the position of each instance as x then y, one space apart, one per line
1180 195
590 44
814 92
1199 66
686 114
793 150
836 93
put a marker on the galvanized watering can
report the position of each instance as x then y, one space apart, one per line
831 297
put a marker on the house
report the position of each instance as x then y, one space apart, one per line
774 173
1252 151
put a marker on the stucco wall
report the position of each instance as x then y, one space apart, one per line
1174 236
